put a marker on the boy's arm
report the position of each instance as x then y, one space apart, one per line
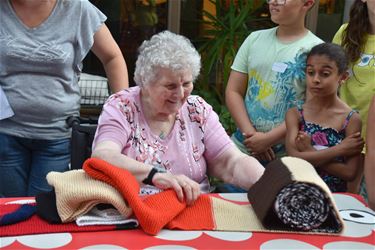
277 134
259 142
234 98
350 146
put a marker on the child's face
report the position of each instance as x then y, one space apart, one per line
322 76
289 13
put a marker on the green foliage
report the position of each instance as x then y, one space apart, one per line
218 46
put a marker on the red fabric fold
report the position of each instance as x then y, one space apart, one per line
154 211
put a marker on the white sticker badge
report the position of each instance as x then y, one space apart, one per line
279 67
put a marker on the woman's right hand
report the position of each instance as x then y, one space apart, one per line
182 185
352 144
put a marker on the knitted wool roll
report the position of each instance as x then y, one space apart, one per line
290 195
301 206
77 193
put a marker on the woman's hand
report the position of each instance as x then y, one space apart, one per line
182 185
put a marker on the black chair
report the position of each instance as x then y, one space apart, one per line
83 132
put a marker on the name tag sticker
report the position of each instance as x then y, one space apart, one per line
279 67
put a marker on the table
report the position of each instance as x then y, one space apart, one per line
359 234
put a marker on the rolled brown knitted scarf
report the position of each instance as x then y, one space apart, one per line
291 196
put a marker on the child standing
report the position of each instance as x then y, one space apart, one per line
357 37
325 131
268 78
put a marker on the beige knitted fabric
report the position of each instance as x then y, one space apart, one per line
76 193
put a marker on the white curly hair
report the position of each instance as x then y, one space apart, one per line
165 50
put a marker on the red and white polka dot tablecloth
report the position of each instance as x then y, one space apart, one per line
359 234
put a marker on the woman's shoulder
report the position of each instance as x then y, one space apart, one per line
129 94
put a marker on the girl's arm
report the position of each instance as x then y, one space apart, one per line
370 155
317 157
348 169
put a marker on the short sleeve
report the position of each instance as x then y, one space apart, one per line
337 39
91 20
113 124
240 62
216 139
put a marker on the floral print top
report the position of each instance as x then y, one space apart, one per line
323 137
196 138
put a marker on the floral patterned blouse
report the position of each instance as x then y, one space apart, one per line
196 138
325 137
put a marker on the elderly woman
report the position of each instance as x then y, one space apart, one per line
164 136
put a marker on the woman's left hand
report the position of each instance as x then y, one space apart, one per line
182 185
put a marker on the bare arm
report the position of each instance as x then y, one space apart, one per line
257 142
348 169
370 155
234 98
184 187
236 168
108 52
349 146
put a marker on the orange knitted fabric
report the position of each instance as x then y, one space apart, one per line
155 211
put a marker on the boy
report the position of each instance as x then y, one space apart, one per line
268 78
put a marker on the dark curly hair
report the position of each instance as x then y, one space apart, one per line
355 35
334 52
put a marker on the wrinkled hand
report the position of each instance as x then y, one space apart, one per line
303 142
268 155
256 142
352 144
182 185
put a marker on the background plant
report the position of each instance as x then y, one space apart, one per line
224 33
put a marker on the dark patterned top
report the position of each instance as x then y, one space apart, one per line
326 137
